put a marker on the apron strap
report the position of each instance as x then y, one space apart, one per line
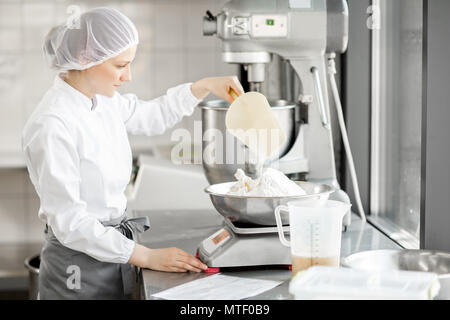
130 228
133 226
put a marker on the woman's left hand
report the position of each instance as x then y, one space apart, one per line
219 86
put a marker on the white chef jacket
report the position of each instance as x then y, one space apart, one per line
79 160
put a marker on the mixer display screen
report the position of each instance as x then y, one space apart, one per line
220 237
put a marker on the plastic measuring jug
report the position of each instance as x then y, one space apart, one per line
315 232
251 120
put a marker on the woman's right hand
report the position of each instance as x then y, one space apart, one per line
174 260
166 259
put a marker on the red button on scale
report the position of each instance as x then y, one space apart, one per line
212 270
208 270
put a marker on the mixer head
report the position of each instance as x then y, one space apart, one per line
252 30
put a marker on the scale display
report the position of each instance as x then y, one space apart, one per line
221 236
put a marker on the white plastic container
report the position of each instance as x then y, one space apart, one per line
315 232
334 283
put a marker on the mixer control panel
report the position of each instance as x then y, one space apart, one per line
269 26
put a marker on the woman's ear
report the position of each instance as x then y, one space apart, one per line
82 58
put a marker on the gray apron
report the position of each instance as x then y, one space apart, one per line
69 274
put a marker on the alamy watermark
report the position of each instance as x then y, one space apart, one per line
374 20
74 279
74 12
219 147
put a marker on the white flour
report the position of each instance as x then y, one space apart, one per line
272 183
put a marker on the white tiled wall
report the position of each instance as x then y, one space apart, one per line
172 50
19 205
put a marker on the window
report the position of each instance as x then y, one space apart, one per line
396 120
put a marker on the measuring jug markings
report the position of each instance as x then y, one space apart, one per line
312 245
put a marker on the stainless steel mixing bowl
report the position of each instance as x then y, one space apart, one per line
409 260
259 210
227 148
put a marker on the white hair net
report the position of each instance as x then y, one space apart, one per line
95 36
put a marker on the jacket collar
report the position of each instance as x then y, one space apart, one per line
78 97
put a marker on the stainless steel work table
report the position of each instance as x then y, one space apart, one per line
185 229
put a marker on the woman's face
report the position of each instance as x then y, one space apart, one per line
106 77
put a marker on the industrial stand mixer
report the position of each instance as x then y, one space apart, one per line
302 32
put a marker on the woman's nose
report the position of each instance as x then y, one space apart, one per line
126 75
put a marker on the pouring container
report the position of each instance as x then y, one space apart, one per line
315 232
227 148
252 121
